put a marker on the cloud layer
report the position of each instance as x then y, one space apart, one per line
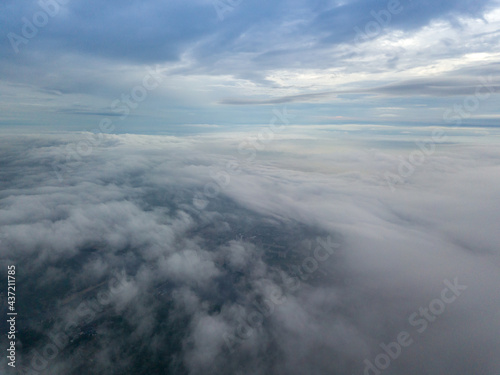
181 255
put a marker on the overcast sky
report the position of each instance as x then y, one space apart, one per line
227 62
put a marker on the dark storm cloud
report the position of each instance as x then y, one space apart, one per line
191 283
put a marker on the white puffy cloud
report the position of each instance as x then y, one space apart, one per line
241 283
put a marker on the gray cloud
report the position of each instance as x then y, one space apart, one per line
90 54
431 87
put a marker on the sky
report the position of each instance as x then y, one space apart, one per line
250 187
170 67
